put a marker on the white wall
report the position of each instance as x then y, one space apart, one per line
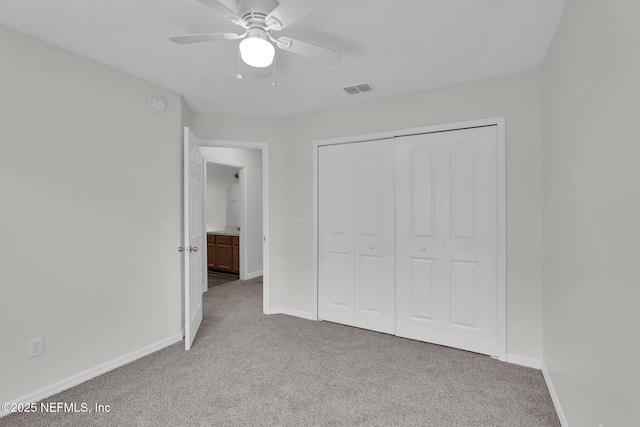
90 218
218 177
252 160
516 97
591 210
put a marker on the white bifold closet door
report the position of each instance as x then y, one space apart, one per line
408 237
356 235
375 238
447 225
336 234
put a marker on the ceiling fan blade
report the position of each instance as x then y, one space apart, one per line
309 50
290 11
207 37
222 6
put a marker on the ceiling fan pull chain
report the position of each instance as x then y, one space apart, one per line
239 75
274 71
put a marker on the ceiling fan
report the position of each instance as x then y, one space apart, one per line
260 19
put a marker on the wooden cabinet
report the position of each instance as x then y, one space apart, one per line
223 253
211 250
235 254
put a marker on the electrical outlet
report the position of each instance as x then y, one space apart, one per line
35 347
301 223
299 286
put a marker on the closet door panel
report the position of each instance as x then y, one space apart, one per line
375 236
470 245
419 238
335 234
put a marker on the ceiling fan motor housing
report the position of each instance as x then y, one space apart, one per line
255 10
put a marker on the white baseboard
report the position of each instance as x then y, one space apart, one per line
554 397
74 380
296 313
253 275
524 361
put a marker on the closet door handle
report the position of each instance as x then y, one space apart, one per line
422 248
370 246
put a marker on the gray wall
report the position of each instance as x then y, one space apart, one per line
518 98
90 218
591 211
291 146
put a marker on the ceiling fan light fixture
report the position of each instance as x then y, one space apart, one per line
257 52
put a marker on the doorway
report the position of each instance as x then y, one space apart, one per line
194 223
225 220
252 161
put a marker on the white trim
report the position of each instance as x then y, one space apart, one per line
502 196
290 312
103 368
314 264
253 275
205 238
502 237
411 131
244 247
554 397
524 361
264 147
266 256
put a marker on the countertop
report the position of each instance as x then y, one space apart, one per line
224 233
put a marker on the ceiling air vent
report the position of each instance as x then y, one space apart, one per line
352 90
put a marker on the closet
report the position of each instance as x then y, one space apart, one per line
408 236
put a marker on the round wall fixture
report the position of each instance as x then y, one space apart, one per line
157 103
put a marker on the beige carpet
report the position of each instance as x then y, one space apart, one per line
248 369
216 279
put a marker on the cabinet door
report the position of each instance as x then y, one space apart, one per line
374 212
224 253
335 234
235 263
419 292
211 254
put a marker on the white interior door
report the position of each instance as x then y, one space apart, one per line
336 234
374 213
194 236
470 250
419 292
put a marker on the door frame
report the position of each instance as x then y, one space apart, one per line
264 148
243 213
499 122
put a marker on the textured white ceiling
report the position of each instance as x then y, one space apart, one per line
399 46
